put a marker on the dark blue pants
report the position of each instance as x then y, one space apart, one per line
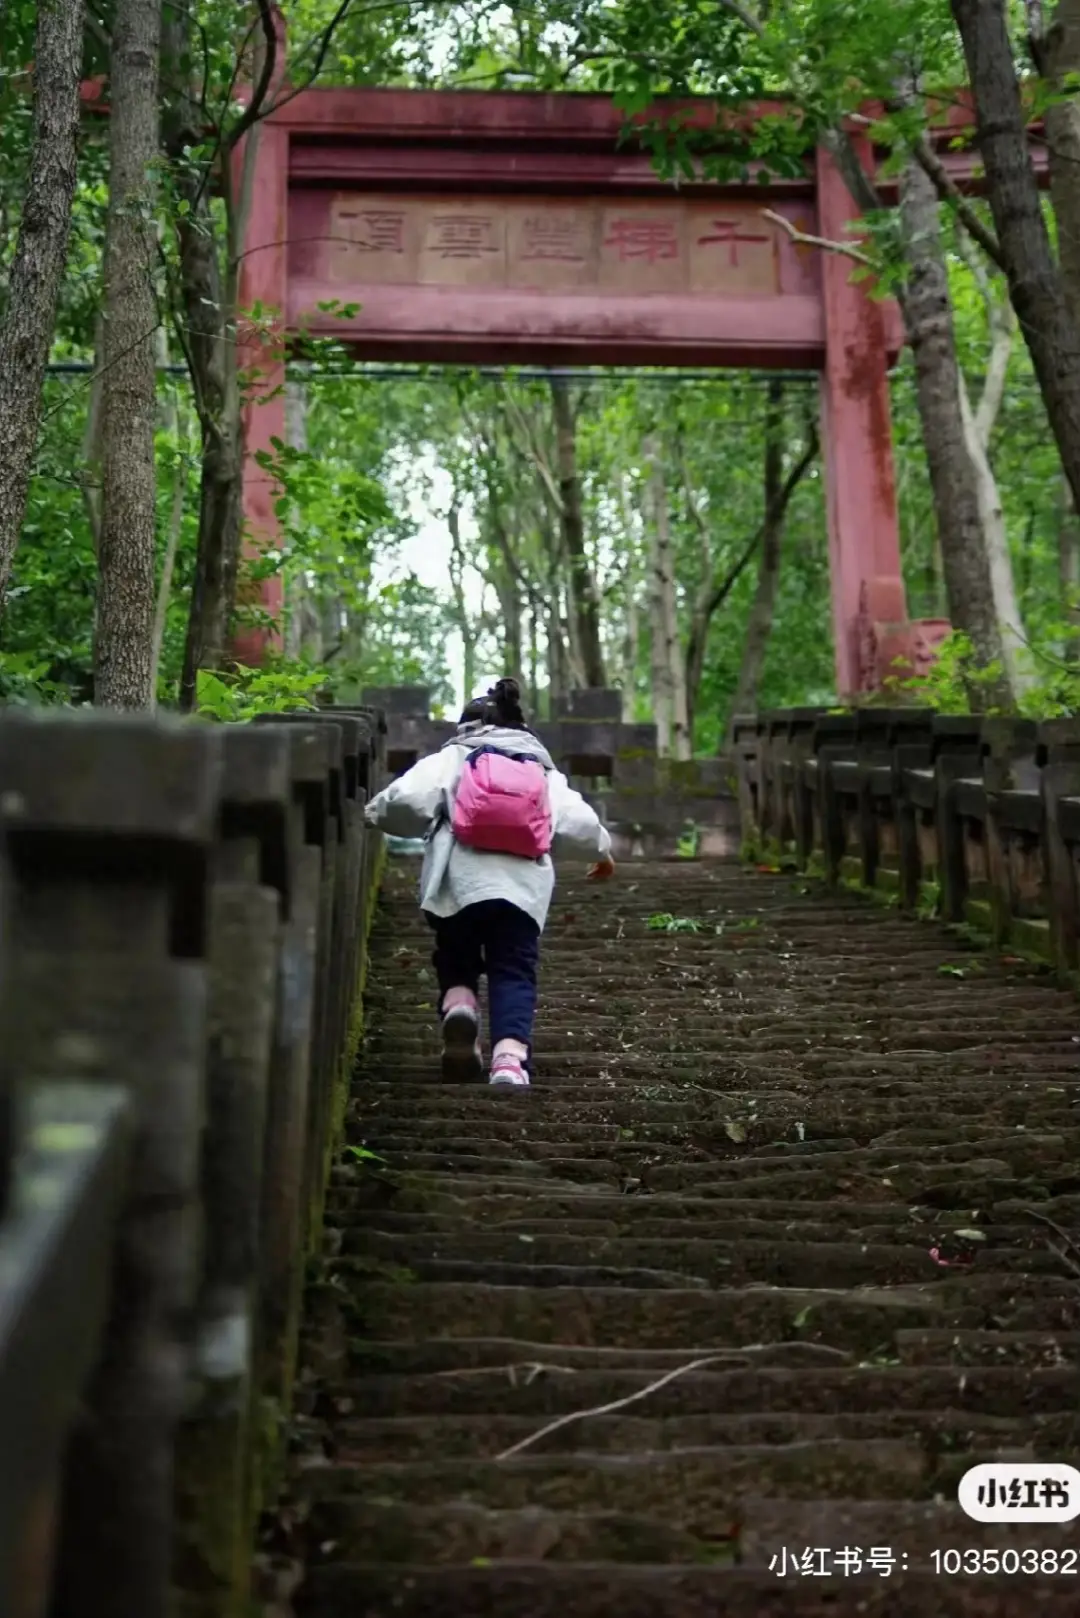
498 939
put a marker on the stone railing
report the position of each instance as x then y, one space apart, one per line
183 948
975 820
650 804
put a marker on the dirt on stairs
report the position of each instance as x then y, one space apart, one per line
774 1250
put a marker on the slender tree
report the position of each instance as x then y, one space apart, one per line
585 604
928 315
1036 285
123 649
26 329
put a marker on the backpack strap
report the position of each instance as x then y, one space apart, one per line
501 752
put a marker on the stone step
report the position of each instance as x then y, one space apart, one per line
402 1039
747 1136
551 1209
972 1184
519 1362
562 1000
698 1483
805 1114
398 1032
966 1188
635 1105
514 1259
621 1071
859 1322
370 1443
611 1219
461 1532
735 1153
535 1382
932 1346
600 1590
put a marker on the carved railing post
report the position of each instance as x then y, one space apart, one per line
1059 751
957 762
216 1461
292 1076
796 819
745 745
317 774
829 769
883 736
1014 822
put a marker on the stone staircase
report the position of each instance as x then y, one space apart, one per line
787 1209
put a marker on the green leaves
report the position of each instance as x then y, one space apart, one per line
281 688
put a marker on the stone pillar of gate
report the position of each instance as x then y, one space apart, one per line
261 358
871 630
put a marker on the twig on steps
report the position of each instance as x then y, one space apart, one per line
531 1369
606 1410
1070 1254
621 1404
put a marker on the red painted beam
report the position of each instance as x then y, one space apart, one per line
548 328
573 117
501 170
494 168
568 139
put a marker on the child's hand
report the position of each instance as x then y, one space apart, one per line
602 870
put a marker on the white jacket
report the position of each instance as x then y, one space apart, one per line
454 876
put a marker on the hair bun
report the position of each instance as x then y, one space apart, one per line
507 688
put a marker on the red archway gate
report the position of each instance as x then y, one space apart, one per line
487 227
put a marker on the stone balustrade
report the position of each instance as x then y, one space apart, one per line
977 820
184 917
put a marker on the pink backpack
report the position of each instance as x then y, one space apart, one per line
502 805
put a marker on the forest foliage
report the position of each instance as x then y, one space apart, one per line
661 532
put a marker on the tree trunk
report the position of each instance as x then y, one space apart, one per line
123 645
38 264
714 587
631 614
90 477
556 657
928 317
174 424
1058 58
978 430
574 666
1069 573
762 609
314 626
461 613
556 648
1035 282
301 613
510 614
631 643
996 541
209 348
584 597
503 575
534 658
668 675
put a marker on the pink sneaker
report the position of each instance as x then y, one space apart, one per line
462 1058
508 1069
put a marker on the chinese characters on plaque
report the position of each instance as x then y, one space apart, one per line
648 240
674 246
